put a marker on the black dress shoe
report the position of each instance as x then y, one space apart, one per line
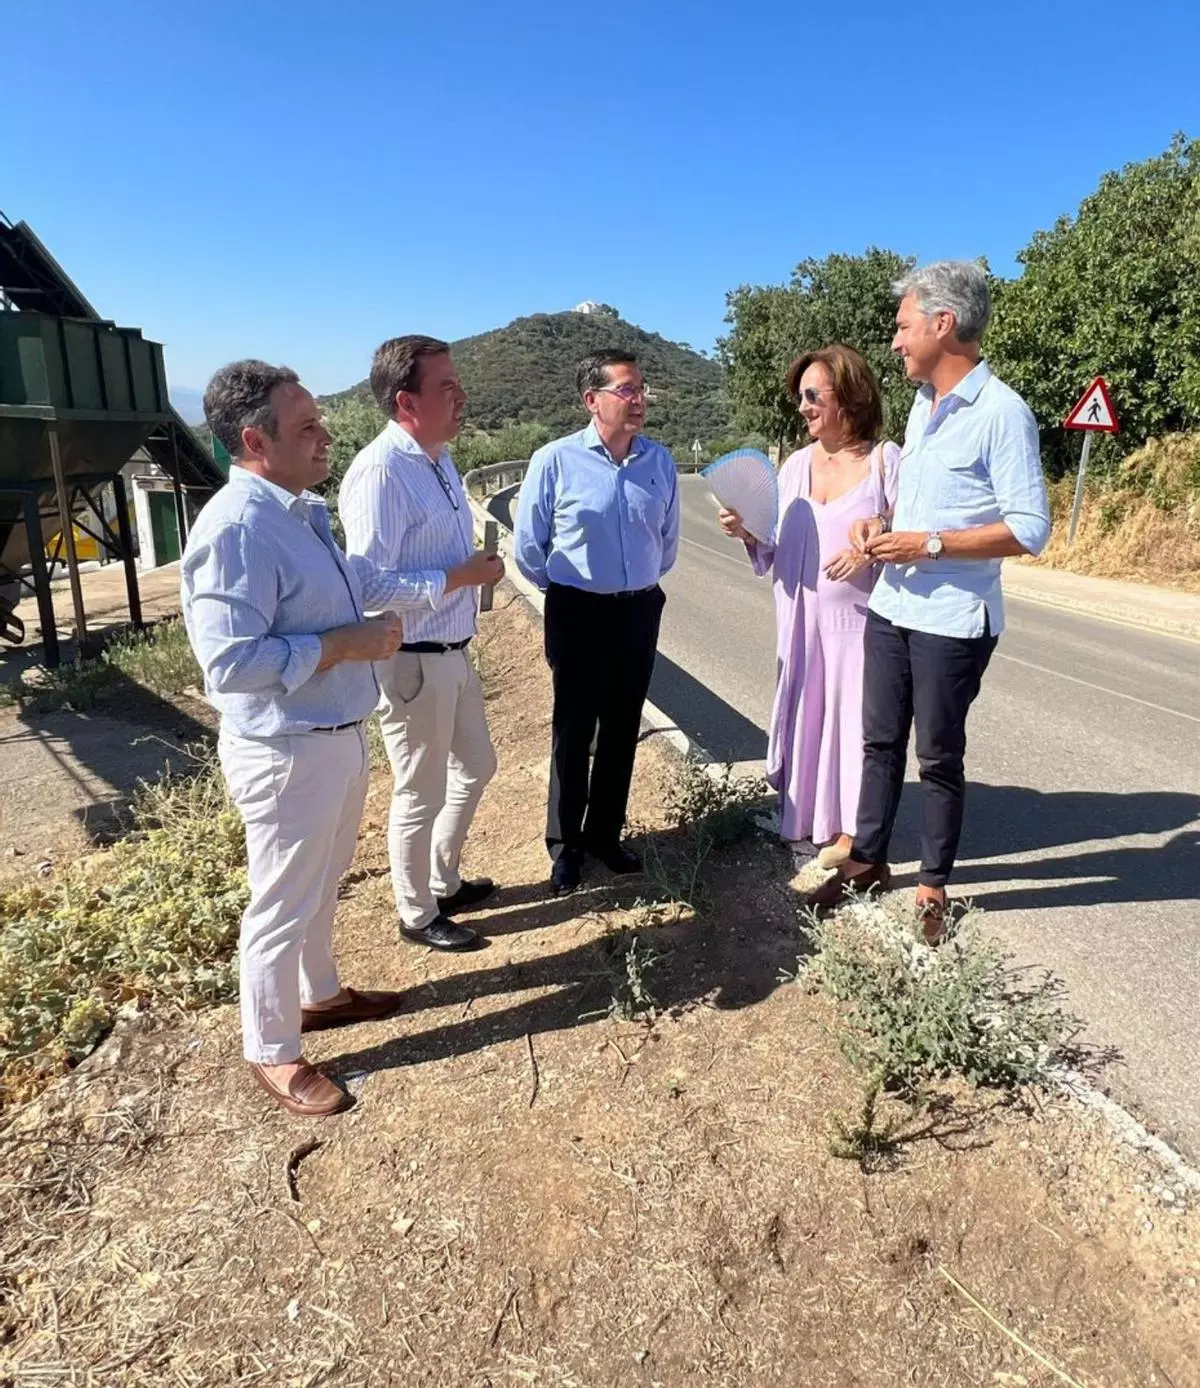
441 933
618 859
470 893
566 875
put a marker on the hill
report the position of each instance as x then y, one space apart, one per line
189 402
525 373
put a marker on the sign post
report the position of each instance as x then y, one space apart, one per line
696 451
491 543
1094 414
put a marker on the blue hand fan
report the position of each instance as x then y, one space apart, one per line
744 481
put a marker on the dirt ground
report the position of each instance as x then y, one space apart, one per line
530 1192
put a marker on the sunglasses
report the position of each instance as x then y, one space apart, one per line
808 396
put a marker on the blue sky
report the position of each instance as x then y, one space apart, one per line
299 181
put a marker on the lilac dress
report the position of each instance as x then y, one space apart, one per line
815 754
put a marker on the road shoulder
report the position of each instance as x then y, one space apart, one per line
1131 604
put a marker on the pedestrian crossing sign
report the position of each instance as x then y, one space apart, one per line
1094 410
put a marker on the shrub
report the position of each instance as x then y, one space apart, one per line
915 1014
155 916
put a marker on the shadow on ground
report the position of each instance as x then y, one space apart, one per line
67 766
728 960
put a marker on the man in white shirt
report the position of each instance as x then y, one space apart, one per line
401 497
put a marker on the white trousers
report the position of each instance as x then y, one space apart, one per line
436 734
301 798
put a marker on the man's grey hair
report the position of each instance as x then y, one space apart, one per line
239 397
951 286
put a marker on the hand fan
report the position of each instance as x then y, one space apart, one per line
744 481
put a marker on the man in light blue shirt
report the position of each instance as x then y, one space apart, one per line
597 527
971 493
275 615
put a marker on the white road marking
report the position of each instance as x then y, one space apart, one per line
739 560
1099 688
1001 655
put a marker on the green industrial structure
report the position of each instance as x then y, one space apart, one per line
80 397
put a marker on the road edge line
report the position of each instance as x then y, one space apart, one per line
1115 613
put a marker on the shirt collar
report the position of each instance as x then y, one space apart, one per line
242 477
969 387
593 441
405 443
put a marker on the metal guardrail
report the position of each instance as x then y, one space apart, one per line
486 481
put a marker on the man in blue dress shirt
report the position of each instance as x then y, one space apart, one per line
971 493
597 527
275 615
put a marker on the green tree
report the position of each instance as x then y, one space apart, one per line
513 443
353 420
756 353
1114 290
842 298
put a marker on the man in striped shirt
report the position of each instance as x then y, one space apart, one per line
401 497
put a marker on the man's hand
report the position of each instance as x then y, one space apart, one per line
377 638
898 547
863 530
475 572
845 565
731 523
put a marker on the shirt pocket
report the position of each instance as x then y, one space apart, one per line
964 479
647 504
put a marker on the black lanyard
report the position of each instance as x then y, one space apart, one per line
442 482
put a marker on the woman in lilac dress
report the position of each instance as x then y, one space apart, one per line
814 759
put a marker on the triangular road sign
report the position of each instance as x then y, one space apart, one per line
1094 411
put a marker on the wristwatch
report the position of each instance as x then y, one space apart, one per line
885 525
933 545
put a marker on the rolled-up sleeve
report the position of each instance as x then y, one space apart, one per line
535 512
390 588
229 605
374 518
1015 461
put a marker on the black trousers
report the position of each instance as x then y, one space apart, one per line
933 680
600 648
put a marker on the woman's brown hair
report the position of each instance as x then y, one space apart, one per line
854 387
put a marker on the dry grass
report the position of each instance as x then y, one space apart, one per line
524 1197
1142 524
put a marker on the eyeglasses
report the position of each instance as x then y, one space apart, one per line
808 396
623 392
451 497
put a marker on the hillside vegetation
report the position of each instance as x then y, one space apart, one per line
525 374
1141 522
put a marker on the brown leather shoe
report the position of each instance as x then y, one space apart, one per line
308 1094
834 892
933 920
358 1007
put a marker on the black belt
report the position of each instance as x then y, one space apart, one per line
435 647
340 727
588 593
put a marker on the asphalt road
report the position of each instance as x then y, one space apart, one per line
1082 839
